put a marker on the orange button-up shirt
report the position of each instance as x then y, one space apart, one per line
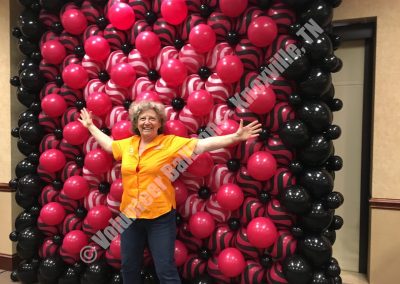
147 190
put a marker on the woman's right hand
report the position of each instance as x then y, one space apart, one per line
85 118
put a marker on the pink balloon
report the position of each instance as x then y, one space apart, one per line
121 130
175 127
230 69
75 133
53 213
98 217
262 31
148 44
230 196
116 189
181 253
203 38
53 52
74 21
231 262
52 160
53 105
233 8
261 165
200 102
181 192
99 103
98 161
148 96
173 72
262 232
115 247
201 225
262 99
201 165
121 16
97 48
74 241
76 187
227 126
174 12
123 74
75 76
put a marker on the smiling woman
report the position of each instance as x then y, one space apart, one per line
148 194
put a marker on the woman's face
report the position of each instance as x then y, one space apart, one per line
149 123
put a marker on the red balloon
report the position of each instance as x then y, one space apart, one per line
262 99
200 102
76 187
97 48
98 161
202 165
201 225
98 217
227 126
261 165
123 74
74 21
181 253
53 213
148 96
148 44
230 69
230 196
52 160
121 16
121 130
115 247
99 103
53 105
53 52
75 76
74 241
116 189
174 12
181 192
233 8
231 262
175 127
75 133
262 232
262 31
202 37
173 72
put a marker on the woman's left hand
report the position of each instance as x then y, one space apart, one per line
249 131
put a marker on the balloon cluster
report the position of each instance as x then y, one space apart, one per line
258 212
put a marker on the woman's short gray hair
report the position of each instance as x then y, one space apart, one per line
137 108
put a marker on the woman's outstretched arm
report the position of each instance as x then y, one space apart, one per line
104 140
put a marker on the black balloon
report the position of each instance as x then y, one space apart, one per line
334 200
203 279
336 105
234 224
14 276
30 184
328 96
316 83
25 147
333 269
52 5
337 223
330 235
318 48
51 268
295 100
320 12
320 278
26 253
27 272
299 3
317 152
13 183
13 236
97 272
204 192
297 232
25 97
298 66
26 47
297 270
24 220
27 116
316 115
31 132
233 165
31 28
317 219
26 63
24 167
15 132
334 163
333 132
317 182
24 200
316 249
115 279
337 280
296 167
30 238
331 63
294 133
296 199
264 135
34 157
32 79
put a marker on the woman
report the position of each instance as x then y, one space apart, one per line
148 196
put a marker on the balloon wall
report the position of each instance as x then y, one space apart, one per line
262 211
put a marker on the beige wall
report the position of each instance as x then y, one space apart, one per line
385 235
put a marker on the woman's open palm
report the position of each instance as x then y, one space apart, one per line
85 118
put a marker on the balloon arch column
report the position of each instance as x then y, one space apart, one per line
259 212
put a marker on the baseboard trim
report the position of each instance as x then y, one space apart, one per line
385 203
4 187
8 262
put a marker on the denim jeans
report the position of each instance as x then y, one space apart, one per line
159 233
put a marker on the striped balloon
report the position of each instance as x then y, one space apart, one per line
282 218
282 179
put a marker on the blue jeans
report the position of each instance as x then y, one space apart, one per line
160 235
